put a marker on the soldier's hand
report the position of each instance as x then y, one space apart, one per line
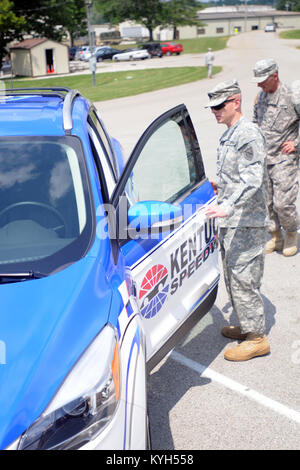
288 147
215 211
214 185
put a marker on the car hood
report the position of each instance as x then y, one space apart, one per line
45 325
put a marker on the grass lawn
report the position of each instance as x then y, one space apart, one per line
119 84
195 45
112 85
292 34
200 45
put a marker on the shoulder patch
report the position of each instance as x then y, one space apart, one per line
248 152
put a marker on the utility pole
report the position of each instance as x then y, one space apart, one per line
245 17
92 60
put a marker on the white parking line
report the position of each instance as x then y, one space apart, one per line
237 387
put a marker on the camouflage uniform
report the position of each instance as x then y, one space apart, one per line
241 171
209 60
278 116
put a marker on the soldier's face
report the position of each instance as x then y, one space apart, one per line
270 85
226 114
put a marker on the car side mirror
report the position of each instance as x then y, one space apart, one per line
147 219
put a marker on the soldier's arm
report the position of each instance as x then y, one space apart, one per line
251 173
296 101
255 119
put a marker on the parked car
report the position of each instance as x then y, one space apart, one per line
6 68
132 54
170 48
98 279
72 52
83 53
270 28
106 53
154 49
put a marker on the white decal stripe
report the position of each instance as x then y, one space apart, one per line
123 321
124 292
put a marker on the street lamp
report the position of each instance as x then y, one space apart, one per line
92 60
245 18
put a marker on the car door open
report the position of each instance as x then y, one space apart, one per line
167 242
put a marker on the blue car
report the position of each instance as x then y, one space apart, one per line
104 266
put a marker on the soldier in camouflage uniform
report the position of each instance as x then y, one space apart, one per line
209 60
277 113
242 211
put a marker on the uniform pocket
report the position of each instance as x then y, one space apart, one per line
280 119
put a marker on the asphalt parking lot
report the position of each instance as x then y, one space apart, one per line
197 400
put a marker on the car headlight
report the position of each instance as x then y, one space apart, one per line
85 402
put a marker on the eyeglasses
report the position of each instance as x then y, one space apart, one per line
220 106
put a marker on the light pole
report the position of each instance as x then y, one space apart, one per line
245 19
92 60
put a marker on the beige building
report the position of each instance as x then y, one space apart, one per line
38 57
222 21
216 21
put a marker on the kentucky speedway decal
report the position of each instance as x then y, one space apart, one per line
154 290
188 257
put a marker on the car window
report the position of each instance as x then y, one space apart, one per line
45 211
166 167
97 125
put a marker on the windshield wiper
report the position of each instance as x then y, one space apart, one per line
15 277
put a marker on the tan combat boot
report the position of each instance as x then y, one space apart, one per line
233 332
290 246
255 345
275 243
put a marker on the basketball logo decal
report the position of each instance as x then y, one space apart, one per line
154 291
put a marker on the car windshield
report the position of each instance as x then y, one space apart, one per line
45 209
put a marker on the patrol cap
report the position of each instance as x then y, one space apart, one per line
222 91
263 69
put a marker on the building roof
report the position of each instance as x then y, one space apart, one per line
242 13
33 42
29 43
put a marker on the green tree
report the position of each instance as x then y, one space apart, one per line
290 5
52 18
181 13
11 26
149 13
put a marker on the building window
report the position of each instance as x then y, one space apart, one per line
200 30
254 27
219 30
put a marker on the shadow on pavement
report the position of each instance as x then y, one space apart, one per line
170 381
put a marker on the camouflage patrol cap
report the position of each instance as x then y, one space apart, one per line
263 69
222 91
